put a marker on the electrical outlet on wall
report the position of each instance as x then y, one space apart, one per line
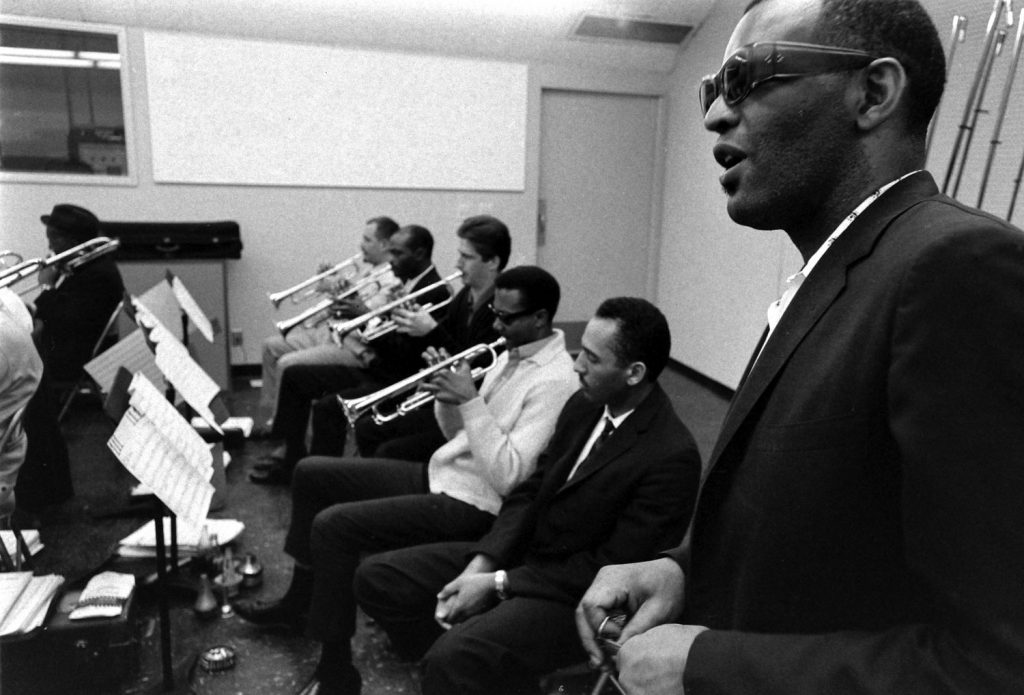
236 338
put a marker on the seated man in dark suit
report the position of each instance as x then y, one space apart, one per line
484 248
410 250
599 495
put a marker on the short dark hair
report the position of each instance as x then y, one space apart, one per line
642 335
538 287
489 236
419 238
900 29
385 226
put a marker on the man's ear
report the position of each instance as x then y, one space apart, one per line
636 373
882 89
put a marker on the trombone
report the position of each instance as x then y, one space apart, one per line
7 254
72 258
296 291
374 278
388 325
354 408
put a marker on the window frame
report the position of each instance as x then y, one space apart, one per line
132 177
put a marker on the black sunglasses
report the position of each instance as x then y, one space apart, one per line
507 317
757 63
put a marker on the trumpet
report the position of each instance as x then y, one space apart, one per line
376 277
355 408
71 259
388 325
296 291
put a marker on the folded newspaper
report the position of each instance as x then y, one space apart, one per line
142 543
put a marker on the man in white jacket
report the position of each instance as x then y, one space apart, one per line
342 508
20 372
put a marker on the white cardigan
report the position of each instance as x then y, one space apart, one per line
495 439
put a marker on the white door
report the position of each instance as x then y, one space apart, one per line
598 164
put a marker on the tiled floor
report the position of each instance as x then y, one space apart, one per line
78 543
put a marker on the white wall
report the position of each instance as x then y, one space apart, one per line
716 278
288 230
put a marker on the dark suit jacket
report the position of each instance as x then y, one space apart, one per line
630 500
462 327
399 355
861 525
74 315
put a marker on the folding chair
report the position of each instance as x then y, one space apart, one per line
84 380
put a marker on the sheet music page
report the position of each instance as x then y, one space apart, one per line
146 398
30 607
31 537
160 301
132 353
192 309
187 377
11 586
154 459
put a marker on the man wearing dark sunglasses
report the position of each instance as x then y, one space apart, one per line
342 508
860 526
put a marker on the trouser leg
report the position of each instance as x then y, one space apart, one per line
301 384
504 650
399 590
320 482
343 532
412 438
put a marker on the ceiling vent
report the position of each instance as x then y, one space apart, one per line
596 27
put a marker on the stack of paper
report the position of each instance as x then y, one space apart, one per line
142 543
25 600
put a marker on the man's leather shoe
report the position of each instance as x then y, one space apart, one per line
275 475
351 684
265 462
278 614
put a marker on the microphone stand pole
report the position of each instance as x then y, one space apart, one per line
986 51
1003 105
958 36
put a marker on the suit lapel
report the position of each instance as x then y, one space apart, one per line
622 440
816 295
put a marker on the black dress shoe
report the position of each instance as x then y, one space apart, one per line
351 684
265 462
275 475
278 614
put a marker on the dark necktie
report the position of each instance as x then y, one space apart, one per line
609 428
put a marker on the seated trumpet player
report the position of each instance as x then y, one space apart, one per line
70 314
410 251
342 508
618 480
73 308
483 252
314 344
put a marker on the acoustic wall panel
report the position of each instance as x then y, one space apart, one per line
231 111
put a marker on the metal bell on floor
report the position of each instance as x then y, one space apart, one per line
206 604
251 571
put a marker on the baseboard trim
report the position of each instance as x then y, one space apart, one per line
717 388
